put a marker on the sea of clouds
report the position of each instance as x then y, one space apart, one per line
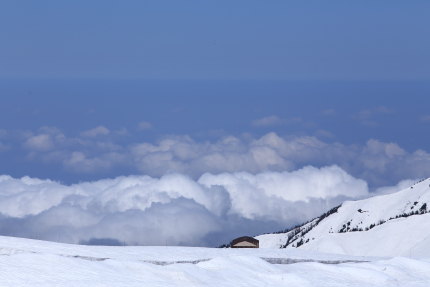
102 152
188 192
173 209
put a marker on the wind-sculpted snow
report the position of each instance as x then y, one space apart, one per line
267 259
26 262
170 210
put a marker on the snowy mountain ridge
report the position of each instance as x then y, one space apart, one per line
377 221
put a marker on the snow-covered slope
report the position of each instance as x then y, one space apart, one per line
25 262
396 224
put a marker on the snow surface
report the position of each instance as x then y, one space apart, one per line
400 237
390 236
25 262
347 259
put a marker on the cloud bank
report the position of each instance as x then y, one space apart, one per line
173 209
379 163
101 152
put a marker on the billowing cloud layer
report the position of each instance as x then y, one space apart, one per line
100 151
172 209
377 162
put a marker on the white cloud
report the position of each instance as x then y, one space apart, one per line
368 117
266 195
425 118
173 209
79 162
144 125
183 154
87 153
267 121
391 189
379 163
40 142
328 112
324 134
274 120
46 139
95 132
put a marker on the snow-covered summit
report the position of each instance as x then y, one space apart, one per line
396 224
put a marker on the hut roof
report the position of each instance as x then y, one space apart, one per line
245 238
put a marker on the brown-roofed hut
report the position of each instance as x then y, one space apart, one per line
244 242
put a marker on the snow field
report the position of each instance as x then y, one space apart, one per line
25 262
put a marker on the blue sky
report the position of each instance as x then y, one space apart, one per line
149 111
137 111
360 40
